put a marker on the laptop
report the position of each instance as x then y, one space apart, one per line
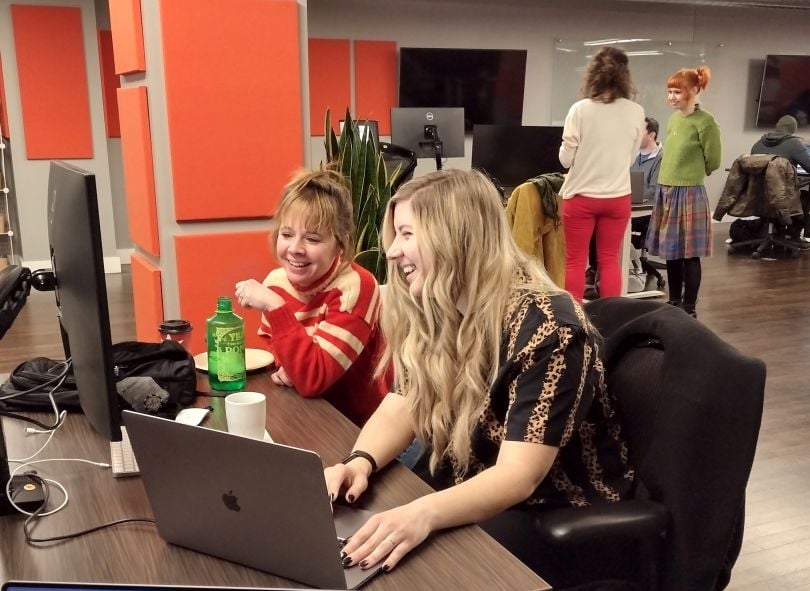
49 586
637 187
260 504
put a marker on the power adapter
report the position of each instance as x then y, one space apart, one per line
27 493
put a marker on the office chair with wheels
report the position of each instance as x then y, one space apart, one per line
691 407
398 160
765 186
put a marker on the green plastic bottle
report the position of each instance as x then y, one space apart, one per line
225 333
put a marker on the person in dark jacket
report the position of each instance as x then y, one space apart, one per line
784 142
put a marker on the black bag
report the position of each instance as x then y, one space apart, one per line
40 375
167 364
742 230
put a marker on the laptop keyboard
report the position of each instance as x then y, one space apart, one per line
123 458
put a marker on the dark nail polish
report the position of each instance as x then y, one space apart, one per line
343 555
350 498
347 561
385 568
364 564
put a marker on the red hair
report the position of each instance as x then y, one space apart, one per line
687 79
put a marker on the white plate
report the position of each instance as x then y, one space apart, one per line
254 359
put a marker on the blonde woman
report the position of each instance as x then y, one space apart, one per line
499 376
319 308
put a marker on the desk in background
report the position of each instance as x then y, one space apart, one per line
463 558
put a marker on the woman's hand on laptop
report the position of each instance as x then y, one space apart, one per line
252 294
389 536
351 477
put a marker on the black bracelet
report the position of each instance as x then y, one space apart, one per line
359 453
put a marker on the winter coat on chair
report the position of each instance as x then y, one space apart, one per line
763 185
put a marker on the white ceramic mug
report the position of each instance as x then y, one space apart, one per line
245 413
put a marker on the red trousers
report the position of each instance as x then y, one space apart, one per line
609 217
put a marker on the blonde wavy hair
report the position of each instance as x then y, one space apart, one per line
446 361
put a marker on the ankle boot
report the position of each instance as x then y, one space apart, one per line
689 309
676 303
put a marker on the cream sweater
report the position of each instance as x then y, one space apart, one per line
600 141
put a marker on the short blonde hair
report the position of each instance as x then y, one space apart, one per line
322 199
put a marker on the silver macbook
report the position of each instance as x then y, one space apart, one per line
637 187
260 504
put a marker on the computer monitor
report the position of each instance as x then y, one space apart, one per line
364 127
513 154
81 293
423 130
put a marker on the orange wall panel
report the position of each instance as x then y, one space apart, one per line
375 81
209 265
233 94
329 82
3 113
127 36
147 295
51 67
139 174
110 82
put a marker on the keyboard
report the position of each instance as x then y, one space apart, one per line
123 458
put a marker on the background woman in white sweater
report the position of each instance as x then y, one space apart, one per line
601 137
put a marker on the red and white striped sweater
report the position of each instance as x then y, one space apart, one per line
327 338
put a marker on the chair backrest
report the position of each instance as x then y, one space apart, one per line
691 406
398 157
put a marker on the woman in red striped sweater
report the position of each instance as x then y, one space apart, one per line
320 309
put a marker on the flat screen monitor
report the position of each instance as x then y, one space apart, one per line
488 83
513 154
412 127
369 127
785 90
81 293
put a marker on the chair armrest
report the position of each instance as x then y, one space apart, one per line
634 518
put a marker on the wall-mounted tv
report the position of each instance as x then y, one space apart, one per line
785 90
488 83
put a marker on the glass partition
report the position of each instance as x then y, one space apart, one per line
651 63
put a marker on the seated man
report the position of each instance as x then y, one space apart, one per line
648 161
784 142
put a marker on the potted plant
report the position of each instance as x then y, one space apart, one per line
363 168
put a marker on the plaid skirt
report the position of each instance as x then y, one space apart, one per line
680 224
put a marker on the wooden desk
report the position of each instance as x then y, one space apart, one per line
464 558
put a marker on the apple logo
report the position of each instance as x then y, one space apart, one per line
231 501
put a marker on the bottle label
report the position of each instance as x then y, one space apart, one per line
230 353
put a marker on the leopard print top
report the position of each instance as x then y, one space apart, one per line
550 389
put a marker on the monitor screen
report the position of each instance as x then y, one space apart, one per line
785 90
512 154
488 83
366 127
412 128
81 293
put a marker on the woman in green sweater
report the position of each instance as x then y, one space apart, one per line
680 226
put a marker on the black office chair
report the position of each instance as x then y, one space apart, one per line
691 407
765 186
400 162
